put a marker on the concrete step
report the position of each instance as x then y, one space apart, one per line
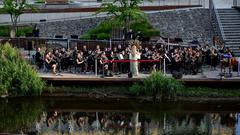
230 23
227 10
233 29
231 42
232 36
227 14
232 33
233 47
230 26
230 17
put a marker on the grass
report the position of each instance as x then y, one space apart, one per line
200 92
208 92
17 78
21 31
89 89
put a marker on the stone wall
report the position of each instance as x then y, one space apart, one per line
188 24
67 28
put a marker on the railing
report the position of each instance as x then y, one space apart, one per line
35 42
236 3
216 20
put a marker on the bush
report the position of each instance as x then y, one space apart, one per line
16 76
21 31
157 85
104 29
103 36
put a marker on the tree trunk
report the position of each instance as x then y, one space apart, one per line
13 33
14 25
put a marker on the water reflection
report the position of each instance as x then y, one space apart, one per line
31 116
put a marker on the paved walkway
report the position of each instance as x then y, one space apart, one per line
223 3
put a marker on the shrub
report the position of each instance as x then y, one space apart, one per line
104 29
16 76
103 36
21 31
157 85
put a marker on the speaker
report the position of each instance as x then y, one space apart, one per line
29 45
58 36
130 75
74 36
177 75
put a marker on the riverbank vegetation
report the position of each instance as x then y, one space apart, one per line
159 86
17 77
156 87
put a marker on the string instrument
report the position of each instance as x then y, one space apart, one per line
233 61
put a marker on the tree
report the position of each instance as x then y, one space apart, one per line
125 11
15 8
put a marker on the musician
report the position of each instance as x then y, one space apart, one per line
193 61
90 60
119 48
85 51
176 60
75 53
38 58
64 60
104 64
134 56
80 61
50 62
214 58
156 65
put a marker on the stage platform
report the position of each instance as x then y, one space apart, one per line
208 78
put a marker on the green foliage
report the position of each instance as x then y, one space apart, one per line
40 1
15 8
157 85
124 13
207 92
16 76
21 31
104 29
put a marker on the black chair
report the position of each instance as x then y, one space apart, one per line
47 67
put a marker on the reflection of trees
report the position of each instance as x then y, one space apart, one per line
16 115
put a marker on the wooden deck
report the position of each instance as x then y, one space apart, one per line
75 79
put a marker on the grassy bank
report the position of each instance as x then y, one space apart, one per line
155 87
188 92
17 78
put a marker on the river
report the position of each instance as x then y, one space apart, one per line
77 116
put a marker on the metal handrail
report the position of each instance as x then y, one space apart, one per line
216 18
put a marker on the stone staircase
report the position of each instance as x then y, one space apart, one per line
230 20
